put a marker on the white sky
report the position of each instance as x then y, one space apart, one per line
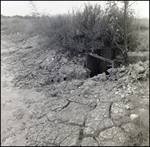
10 8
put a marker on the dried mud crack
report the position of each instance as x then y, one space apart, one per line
47 100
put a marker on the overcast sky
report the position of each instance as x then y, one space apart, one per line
10 8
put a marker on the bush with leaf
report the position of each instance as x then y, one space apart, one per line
91 28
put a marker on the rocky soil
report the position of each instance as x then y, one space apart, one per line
49 99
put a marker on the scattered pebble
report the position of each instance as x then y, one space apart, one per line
122 96
133 117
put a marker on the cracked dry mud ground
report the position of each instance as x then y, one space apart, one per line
81 112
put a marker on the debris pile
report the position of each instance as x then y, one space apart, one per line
36 67
138 71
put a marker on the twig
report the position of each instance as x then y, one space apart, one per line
132 4
130 33
131 43
119 26
118 46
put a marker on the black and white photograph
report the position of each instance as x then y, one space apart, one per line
74 73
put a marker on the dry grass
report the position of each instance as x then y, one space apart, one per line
12 25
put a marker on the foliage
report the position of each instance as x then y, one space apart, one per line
120 28
93 28
82 30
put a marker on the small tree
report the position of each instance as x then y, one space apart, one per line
120 27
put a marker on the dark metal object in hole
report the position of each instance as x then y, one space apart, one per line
100 61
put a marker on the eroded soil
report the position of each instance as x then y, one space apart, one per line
47 99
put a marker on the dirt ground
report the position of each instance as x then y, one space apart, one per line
48 99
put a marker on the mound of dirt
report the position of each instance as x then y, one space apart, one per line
36 66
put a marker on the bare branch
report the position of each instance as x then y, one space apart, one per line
120 36
118 46
119 26
131 43
132 4
130 33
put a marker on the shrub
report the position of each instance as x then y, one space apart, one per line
81 30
